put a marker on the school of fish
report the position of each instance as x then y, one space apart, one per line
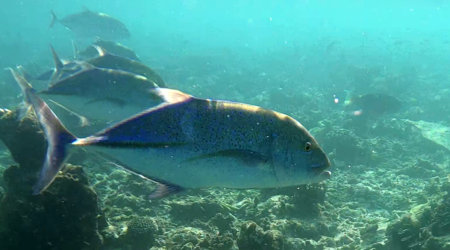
169 137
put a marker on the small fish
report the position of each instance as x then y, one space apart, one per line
372 104
191 143
110 46
92 24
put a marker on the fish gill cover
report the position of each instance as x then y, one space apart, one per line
367 79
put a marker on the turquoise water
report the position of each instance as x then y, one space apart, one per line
316 61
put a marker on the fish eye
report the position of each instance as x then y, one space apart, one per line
307 146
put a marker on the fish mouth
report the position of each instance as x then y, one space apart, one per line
320 170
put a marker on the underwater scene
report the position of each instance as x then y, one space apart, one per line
225 125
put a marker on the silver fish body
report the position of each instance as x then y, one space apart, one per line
203 143
187 142
101 94
93 24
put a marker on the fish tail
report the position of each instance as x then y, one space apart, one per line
349 98
54 20
58 137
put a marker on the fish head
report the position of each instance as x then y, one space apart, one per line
297 158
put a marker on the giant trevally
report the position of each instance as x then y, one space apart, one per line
190 143
92 93
93 24
103 59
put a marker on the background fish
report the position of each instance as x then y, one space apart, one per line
180 143
104 59
102 94
93 24
110 46
372 104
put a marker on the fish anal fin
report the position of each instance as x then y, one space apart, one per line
164 190
170 95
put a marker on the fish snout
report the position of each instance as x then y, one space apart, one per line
320 169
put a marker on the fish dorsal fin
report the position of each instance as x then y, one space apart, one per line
58 66
170 95
101 51
58 63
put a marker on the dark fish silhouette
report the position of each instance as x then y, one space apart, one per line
190 143
372 104
110 46
103 59
93 24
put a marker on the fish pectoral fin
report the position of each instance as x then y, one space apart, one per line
170 96
164 190
247 157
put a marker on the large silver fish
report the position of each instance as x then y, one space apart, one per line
190 143
93 24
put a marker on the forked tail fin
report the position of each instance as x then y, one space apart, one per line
54 20
58 137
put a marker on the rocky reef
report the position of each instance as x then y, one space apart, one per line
65 216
